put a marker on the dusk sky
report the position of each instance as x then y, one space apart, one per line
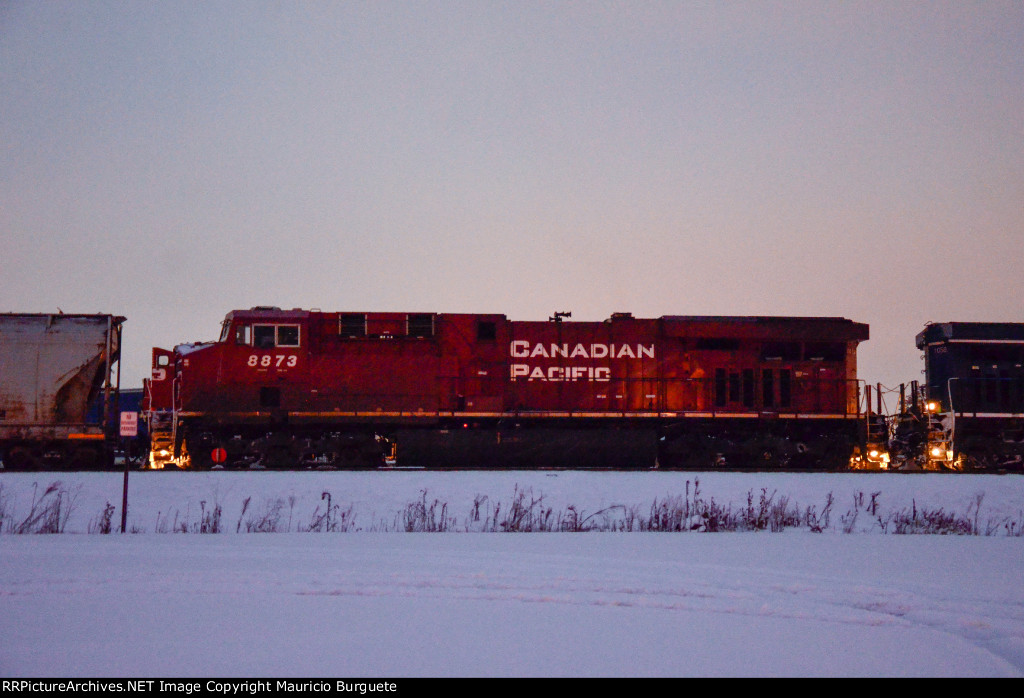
171 161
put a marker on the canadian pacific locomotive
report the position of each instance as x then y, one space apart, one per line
282 388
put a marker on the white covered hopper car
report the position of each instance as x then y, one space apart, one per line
59 379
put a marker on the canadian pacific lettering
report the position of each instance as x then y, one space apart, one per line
522 349
559 374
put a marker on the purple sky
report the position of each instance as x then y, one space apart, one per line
172 161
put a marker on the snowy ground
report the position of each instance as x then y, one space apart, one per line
373 603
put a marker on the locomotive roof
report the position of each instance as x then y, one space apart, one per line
756 319
759 319
268 311
824 328
970 331
774 327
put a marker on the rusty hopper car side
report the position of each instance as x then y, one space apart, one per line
53 369
308 388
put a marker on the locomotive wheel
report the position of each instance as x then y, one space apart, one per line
197 448
278 457
318 458
770 459
802 459
993 460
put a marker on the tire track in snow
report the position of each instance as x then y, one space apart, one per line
993 626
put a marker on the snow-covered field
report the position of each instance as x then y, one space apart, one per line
373 601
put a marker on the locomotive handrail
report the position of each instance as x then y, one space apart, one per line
147 395
176 393
809 396
952 412
531 414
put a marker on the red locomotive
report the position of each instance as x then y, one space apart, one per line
282 388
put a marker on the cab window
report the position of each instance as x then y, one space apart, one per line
287 335
263 336
270 336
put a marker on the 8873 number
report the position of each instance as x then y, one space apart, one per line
267 360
